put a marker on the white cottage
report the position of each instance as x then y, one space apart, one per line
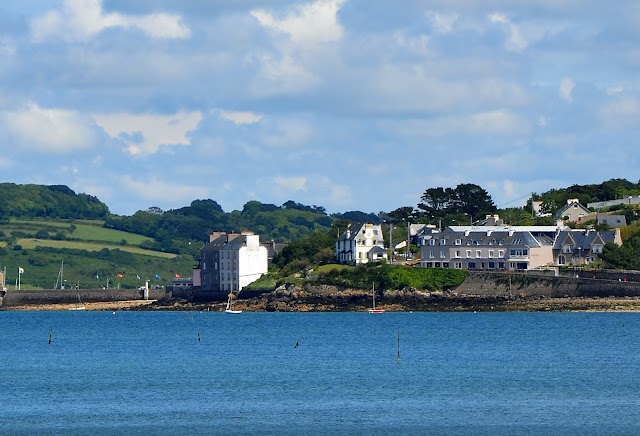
361 243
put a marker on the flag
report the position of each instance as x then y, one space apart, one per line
20 270
138 276
97 277
177 276
157 276
119 276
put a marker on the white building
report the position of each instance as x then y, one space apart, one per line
231 261
361 243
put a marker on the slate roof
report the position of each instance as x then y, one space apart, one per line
583 240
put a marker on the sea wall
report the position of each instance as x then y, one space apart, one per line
70 296
537 285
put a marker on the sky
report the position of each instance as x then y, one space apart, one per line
345 104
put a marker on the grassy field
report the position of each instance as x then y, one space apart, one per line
30 244
82 230
91 255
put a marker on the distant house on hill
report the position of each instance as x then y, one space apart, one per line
573 211
231 261
361 243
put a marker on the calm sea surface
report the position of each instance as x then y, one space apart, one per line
215 373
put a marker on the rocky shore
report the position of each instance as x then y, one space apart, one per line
319 298
331 299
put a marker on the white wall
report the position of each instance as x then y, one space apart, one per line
253 261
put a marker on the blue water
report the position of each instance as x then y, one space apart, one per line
215 373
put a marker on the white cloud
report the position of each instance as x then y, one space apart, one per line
81 20
516 41
162 191
309 23
498 122
442 23
623 112
49 130
289 133
145 134
566 88
239 118
291 184
615 90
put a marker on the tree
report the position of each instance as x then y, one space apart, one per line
436 202
472 200
401 213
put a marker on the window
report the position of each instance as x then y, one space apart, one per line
457 265
491 253
432 242
478 253
566 249
443 241
443 255
458 242
432 254
457 253
468 253
501 254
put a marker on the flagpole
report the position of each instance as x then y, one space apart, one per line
19 277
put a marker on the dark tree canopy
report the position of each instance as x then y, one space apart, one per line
466 198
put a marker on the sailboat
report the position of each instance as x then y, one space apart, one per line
228 309
373 309
79 305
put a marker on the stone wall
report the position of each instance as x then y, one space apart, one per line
532 285
70 296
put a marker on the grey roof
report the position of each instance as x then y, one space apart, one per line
563 209
221 243
502 237
584 239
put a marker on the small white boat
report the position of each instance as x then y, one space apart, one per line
79 306
373 309
228 309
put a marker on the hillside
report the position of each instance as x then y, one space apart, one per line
90 253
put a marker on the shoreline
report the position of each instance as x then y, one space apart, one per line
261 304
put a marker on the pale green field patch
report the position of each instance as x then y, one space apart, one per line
29 243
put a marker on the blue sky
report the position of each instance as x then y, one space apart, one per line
346 104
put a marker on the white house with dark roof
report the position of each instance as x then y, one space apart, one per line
361 243
231 261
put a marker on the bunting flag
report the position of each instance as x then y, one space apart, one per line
97 277
157 276
177 276
20 270
138 276
119 276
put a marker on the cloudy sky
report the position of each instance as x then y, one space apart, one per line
346 104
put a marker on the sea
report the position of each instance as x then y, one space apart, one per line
397 373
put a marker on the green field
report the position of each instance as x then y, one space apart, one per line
82 230
30 244
91 255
